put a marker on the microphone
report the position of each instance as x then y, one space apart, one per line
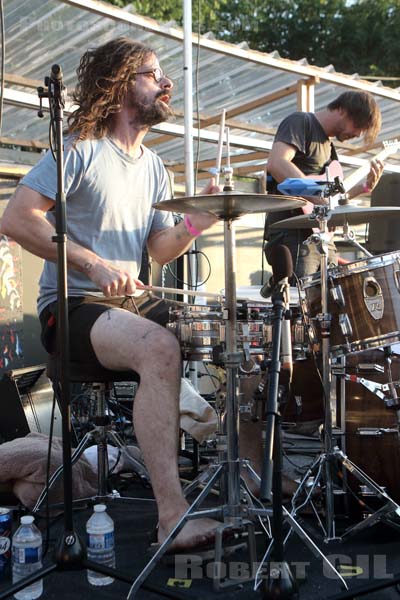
56 73
297 186
268 287
280 259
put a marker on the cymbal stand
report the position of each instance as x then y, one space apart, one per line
349 236
228 471
323 465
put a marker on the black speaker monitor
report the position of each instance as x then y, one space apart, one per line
26 398
384 234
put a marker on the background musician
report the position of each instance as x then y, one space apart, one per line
303 147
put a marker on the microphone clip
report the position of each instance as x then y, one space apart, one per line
54 89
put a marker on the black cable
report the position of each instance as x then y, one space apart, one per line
52 132
48 465
188 284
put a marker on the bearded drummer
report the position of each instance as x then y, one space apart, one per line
302 148
111 184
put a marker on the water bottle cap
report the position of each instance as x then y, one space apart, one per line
99 507
27 520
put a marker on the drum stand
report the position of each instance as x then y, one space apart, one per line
322 468
236 516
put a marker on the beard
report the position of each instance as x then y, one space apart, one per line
152 112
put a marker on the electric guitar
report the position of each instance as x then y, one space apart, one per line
335 170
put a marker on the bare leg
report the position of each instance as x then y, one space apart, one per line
122 341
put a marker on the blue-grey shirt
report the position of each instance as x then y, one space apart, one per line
109 204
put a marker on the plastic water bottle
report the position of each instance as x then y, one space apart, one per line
27 557
100 543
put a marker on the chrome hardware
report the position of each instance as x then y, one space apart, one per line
337 295
375 431
345 325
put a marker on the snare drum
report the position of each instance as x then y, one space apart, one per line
363 300
201 329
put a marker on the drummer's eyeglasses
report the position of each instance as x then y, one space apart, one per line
157 74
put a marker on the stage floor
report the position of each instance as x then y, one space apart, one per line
372 556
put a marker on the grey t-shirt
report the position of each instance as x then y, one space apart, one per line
109 204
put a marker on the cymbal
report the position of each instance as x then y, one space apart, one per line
231 205
342 215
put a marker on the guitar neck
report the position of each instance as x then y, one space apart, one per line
361 172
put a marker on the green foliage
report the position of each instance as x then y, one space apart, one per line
354 35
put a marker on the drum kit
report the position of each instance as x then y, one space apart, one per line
351 309
348 309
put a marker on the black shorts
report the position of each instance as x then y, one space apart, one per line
83 311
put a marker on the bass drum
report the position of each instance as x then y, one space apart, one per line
304 411
371 429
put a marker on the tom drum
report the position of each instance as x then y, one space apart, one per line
364 303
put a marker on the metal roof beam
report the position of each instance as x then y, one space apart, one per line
25 100
23 81
25 143
252 104
205 164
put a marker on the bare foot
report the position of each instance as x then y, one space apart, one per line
195 533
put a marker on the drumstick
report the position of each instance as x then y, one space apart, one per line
219 147
155 288
167 290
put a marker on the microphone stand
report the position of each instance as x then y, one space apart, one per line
280 582
70 552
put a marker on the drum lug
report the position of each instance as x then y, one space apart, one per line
337 295
345 325
373 297
298 331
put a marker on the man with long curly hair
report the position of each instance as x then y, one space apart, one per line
111 184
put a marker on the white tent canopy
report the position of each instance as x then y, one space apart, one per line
256 89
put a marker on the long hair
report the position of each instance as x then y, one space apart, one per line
362 109
104 75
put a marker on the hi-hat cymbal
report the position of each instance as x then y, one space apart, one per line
231 205
342 215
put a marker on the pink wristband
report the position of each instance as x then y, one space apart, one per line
190 229
365 188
